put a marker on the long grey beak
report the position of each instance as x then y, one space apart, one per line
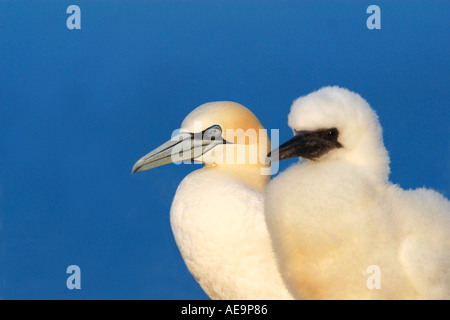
182 147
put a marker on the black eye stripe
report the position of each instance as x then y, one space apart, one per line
310 144
204 131
213 126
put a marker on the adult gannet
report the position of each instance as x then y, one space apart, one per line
340 229
217 213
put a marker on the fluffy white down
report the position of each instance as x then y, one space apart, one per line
332 218
219 227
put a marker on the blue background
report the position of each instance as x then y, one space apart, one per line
79 107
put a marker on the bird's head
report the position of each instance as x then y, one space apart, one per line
221 133
334 124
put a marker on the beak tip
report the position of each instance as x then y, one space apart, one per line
135 169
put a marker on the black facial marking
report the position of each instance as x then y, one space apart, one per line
205 134
310 144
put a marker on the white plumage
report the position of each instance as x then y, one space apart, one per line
336 214
217 215
219 227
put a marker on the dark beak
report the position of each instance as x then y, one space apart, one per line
306 144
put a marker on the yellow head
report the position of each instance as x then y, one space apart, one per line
243 139
221 134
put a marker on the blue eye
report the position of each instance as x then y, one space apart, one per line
214 132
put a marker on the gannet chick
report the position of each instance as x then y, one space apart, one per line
340 229
217 214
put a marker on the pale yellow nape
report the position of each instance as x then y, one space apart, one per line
246 133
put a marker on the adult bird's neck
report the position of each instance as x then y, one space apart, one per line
254 176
